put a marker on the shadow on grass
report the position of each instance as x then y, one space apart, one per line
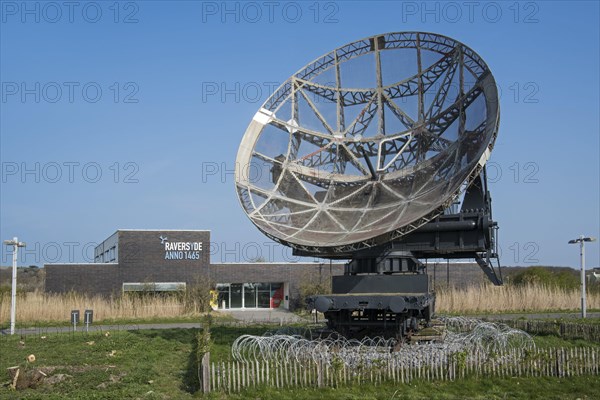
222 339
190 381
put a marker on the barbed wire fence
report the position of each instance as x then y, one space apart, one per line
291 357
464 334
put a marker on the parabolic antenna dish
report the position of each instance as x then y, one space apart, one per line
368 142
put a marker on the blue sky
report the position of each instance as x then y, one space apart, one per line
130 116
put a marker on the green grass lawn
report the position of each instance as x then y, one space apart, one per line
143 363
488 389
160 364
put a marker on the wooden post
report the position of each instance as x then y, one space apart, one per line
586 363
268 378
571 363
594 365
559 363
248 378
223 376
304 378
401 371
454 368
218 378
233 370
319 374
237 367
228 377
241 379
595 361
296 374
282 375
578 359
257 372
204 373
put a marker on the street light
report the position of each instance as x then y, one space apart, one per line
581 240
13 305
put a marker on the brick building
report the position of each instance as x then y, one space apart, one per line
167 260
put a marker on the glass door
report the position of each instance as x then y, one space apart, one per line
263 295
223 295
276 294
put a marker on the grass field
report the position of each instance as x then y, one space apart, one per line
142 363
470 388
38 307
159 364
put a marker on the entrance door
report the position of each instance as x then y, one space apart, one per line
276 295
264 295
251 295
223 296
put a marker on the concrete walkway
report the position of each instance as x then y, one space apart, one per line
243 316
254 316
265 315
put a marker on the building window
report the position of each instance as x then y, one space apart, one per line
153 286
235 296
112 254
249 295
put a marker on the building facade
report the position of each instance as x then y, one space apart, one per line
169 260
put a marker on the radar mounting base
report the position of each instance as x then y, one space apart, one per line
386 291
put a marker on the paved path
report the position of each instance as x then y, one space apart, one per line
266 315
255 316
244 316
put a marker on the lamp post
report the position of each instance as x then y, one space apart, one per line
581 240
13 305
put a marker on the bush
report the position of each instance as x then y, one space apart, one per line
549 277
311 287
198 295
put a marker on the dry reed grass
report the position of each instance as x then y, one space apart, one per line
38 306
509 298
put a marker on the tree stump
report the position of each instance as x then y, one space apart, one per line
25 379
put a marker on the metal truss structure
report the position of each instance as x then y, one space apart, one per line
368 142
